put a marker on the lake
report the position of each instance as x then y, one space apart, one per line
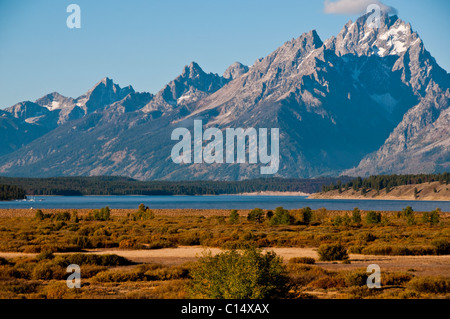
219 202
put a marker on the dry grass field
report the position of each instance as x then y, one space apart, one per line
161 247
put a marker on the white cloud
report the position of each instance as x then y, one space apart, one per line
354 6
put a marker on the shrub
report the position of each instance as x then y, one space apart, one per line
365 236
82 241
129 244
435 285
234 217
234 275
161 243
167 273
332 252
373 217
395 278
92 259
191 239
20 287
408 214
45 255
320 215
3 261
441 246
356 278
337 221
48 271
89 271
256 215
102 214
302 260
346 220
356 249
327 283
431 218
307 215
396 250
281 217
356 215
74 217
118 276
39 215
143 213
62 216
59 290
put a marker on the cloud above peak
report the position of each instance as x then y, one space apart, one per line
351 7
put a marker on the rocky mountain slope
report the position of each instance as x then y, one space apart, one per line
364 102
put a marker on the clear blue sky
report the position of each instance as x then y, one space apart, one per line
147 43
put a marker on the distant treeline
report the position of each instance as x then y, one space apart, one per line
129 186
378 182
8 192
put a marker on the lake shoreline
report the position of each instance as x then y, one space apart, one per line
243 201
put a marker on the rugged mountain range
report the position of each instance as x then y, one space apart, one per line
370 100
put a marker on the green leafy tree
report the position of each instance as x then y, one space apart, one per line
408 214
143 213
431 218
39 215
102 214
234 217
356 215
239 275
337 221
256 215
373 217
281 217
307 215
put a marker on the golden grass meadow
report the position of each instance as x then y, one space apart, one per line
161 253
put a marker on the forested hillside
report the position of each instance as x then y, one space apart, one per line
8 192
128 186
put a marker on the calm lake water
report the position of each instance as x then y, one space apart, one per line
219 202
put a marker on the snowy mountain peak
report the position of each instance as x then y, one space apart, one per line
362 37
54 101
372 99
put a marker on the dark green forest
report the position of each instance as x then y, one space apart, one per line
18 187
378 182
127 186
9 192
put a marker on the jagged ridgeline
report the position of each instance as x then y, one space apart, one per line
9 192
367 101
128 186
